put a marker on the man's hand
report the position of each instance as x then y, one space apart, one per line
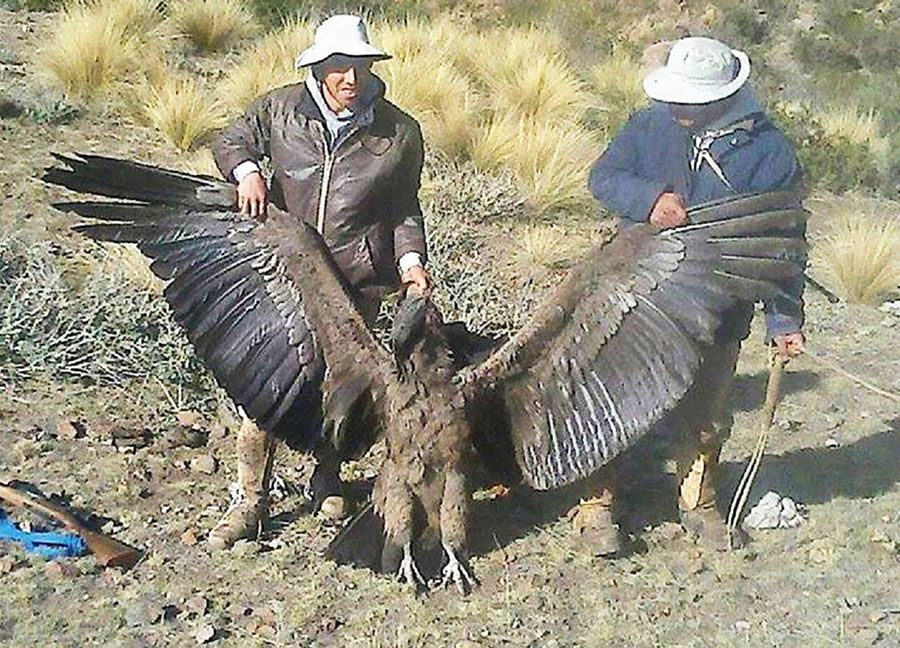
669 211
252 197
417 276
790 345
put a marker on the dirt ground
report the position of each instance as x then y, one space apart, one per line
833 581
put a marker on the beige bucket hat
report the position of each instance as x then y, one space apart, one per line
698 71
344 35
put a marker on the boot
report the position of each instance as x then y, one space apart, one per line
700 516
594 520
325 486
249 510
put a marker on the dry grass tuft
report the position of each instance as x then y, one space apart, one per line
618 83
858 127
861 253
535 249
528 77
267 65
95 45
212 25
550 161
184 112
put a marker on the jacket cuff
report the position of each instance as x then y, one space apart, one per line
781 324
409 260
244 169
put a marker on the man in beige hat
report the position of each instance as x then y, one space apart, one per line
705 137
347 161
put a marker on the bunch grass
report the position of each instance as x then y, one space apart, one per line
183 110
212 25
861 252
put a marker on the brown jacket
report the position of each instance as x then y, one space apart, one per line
369 212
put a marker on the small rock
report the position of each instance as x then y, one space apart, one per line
57 569
329 624
186 436
189 418
217 432
877 616
774 512
831 442
129 438
196 605
69 430
190 537
204 464
8 564
205 634
741 626
142 613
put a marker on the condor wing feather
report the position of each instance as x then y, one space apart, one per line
237 287
619 343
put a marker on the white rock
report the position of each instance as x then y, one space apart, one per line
774 512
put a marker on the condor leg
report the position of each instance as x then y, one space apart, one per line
454 516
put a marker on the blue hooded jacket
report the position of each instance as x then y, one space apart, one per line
740 152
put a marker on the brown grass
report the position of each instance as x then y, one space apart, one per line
267 65
860 251
183 110
212 25
92 46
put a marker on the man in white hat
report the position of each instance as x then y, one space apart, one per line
348 162
704 137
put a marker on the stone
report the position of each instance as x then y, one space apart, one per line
190 537
189 418
186 436
142 613
69 430
58 569
774 512
205 634
8 564
204 464
196 605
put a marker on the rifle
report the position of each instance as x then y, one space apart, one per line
109 552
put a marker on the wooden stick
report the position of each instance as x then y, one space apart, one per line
773 391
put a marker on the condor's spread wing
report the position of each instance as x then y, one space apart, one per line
240 290
619 343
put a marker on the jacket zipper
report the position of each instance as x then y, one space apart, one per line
326 178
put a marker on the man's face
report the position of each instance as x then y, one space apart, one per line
699 115
345 78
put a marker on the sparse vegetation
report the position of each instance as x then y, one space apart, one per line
82 318
212 25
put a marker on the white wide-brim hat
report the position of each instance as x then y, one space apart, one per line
344 35
698 71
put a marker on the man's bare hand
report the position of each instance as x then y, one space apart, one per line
252 196
790 345
669 211
417 276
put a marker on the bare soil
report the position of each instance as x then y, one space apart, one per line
833 581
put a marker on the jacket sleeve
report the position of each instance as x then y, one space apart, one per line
246 138
406 211
614 183
779 169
